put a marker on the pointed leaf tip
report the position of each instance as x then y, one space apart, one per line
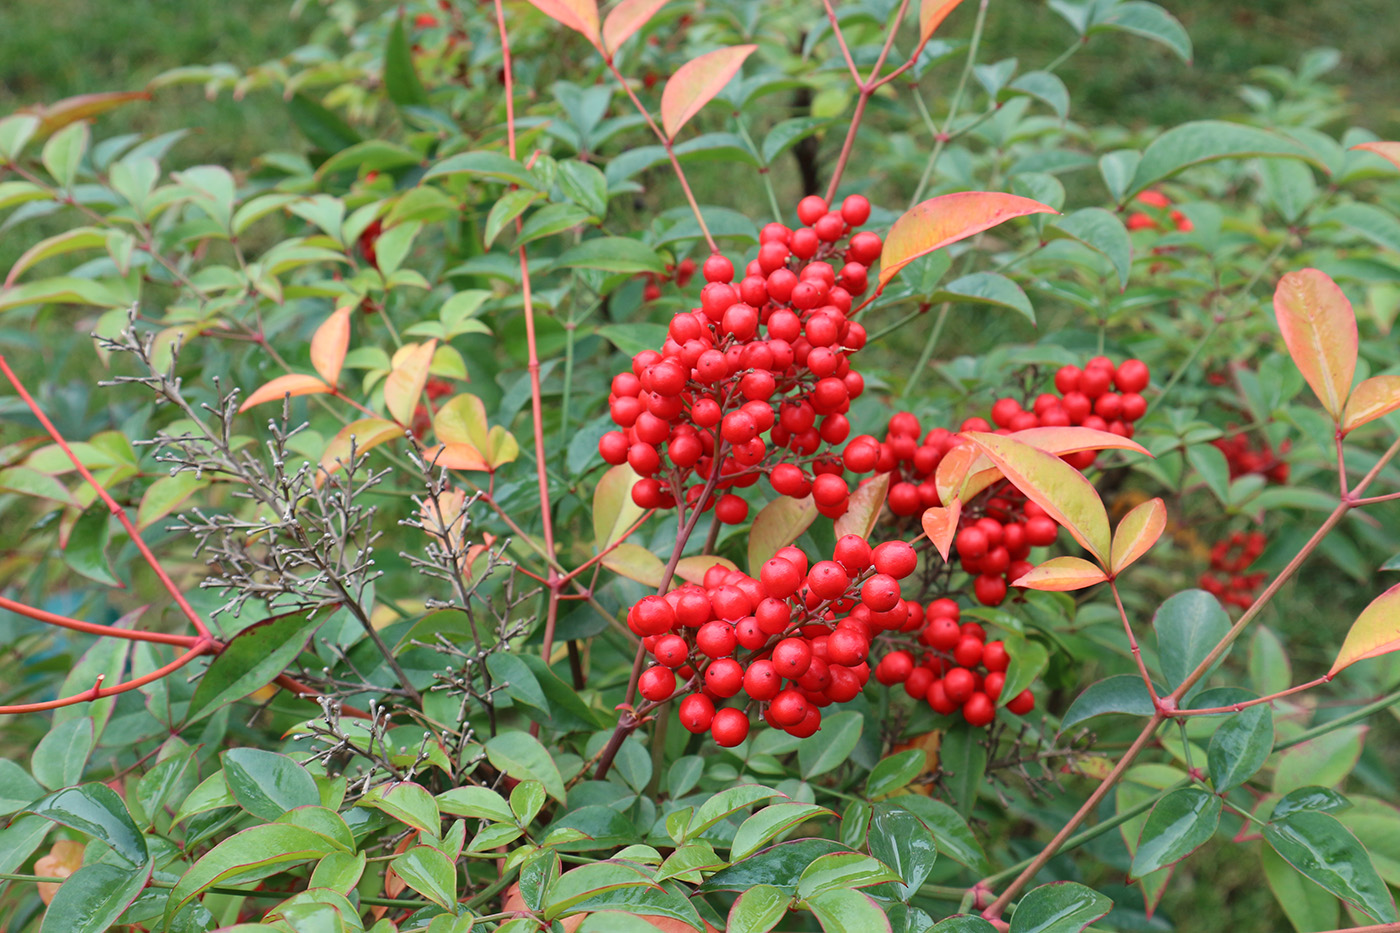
946 219
696 83
1319 328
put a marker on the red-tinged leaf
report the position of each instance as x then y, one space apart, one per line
1374 633
405 383
951 476
55 116
1371 399
865 505
457 457
462 420
932 13
635 563
329 343
579 15
968 471
1385 150
946 219
625 19
778 524
1055 486
613 509
692 569
1319 327
696 83
1061 574
292 384
1136 534
364 434
941 525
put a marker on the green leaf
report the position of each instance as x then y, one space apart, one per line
570 712
1367 221
585 185
1062 907
479 803
428 871
1189 625
551 219
1179 824
252 659
1045 86
986 288
1240 747
788 133
267 784
519 683
1149 21
407 802
648 901
521 755
1121 693
495 166
323 128
831 746
95 809
61 754
780 865
1323 850
1201 141
165 495
963 923
401 81
633 338
1028 661
892 773
963 760
63 153
842 870
510 206
955 839
578 885
537 874
93 897
842 911
1325 760
1102 232
724 803
900 840
17 788
1308 906
612 254
1210 463
769 823
249 856
1117 168
30 482
758 910
525 801
1323 799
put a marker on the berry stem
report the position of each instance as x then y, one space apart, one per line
1133 644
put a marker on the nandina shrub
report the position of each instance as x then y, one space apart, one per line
743 467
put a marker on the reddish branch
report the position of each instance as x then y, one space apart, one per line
97 692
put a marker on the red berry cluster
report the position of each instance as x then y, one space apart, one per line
1243 457
1157 203
1229 559
791 642
757 378
680 273
963 671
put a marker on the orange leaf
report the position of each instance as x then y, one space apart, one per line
625 19
946 219
1136 534
1319 328
932 13
778 524
1374 633
941 525
1055 486
1061 574
696 83
692 569
456 457
1372 398
292 384
367 433
55 116
865 505
329 343
969 471
406 380
62 860
579 15
1389 151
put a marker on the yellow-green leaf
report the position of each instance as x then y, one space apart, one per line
1371 399
1319 327
778 524
68 242
1060 574
1136 533
865 506
1374 633
613 509
696 83
635 563
946 219
407 378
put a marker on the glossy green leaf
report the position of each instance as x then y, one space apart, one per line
832 745
579 884
1240 747
842 870
758 910
401 81
1121 693
963 923
526 798
1149 21
339 871
166 495
1178 825
1188 625
510 206
990 288
1323 850
1062 907
521 755
769 823
1325 760
844 911
93 897
95 809
495 166
62 753
246 857
1201 141
612 254
267 784
17 788
963 760
1323 799
780 865
428 871
894 772
954 837
1102 232
665 901
722 804
519 683
63 153
1307 905
407 802
252 659
900 840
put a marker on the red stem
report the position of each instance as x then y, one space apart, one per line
1133 644
91 628
1236 707
201 646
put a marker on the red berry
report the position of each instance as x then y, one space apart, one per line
847 647
1022 703
880 592
729 727
804 243
1095 381
717 269
613 447
657 683
653 615
780 578
715 639
829 227
731 510
671 650
724 677
811 209
1004 410
939 700
1067 379
894 668
918 682
994 656
971 543
788 708
944 608
1041 531
865 248
789 480
979 710
989 590
968 652
992 684
696 711
904 499
943 633
896 558
959 684
1132 376
762 681
855 210
829 489
792 657
827 580
1134 406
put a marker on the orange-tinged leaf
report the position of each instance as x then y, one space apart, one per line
55 116
941 525
932 13
1386 150
692 569
1136 533
946 219
462 420
613 509
865 505
625 19
778 524
635 563
329 343
969 471
1319 327
1371 399
579 15
1055 486
1061 574
696 83
406 380
456 457
62 860
501 447
367 433
1374 633
292 384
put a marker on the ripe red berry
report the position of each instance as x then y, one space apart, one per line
861 454
1134 406
1022 703
959 684
852 552
724 677
896 558
791 657
968 652
992 684
762 681
804 243
653 615
1095 381
731 509
1132 376
780 578
880 592
894 668
827 580
939 700
729 727
1067 379
715 639
671 650
829 227
978 710
972 543
657 683
989 590
788 708
994 656
904 499
788 480
829 489
943 633
696 711
918 682
717 269
847 647
1041 531
613 446
855 210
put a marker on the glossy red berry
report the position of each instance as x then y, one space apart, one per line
788 708
671 650
968 651
880 592
729 727
791 657
731 509
762 681
896 558
657 683
1132 376
827 580
989 590
894 668
1022 703
978 710
653 615
717 269
994 656
943 633
696 712
724 677
959 684
780 578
